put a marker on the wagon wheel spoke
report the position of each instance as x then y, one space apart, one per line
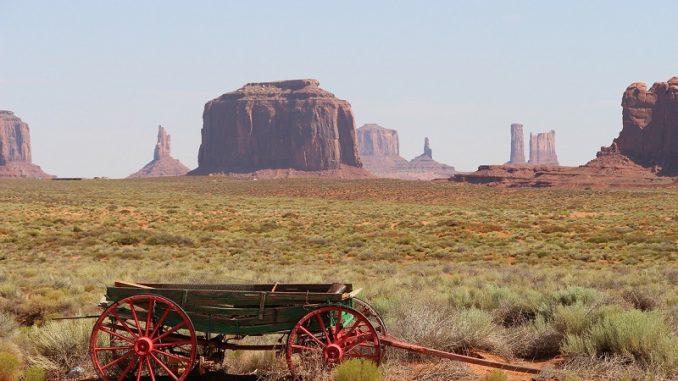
152 373
161 320
117 361
312 336
119 336
303 347
171 331
173 344
135 316
338 324
123 324
149 315
163 366
173 355
112 348
324 329
127 370
140 368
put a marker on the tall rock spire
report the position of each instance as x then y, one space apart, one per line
162 148
427 148
543 148
517 144
163 163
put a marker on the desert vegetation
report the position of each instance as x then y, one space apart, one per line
586 277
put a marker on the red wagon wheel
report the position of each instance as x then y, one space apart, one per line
143 336
328 336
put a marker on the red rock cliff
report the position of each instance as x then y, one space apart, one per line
15 148
649 135
275 125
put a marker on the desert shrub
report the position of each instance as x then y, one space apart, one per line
572 295
34 374
357 370
573 319
641 299
634 334
166 239
61 346
434 325
8 325
536 340
127 238
9 367
496 375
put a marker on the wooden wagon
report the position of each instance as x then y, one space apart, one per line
167 330
150 330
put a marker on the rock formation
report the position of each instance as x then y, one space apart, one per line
517 144
163 164
379 151
15 148
427 148
375 140
283 125
543 148
649 135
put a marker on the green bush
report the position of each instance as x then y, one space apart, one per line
574 319
9 367
634 334
357 370
496 375
573 295
34 374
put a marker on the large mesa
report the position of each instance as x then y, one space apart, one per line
163 164
286 125
15 148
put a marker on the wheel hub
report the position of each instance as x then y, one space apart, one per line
333 354
143 346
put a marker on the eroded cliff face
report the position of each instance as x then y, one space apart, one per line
15 148
649 135
543 148
277 125
375 140
163 164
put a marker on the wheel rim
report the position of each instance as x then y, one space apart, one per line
143 336
371 314
328 336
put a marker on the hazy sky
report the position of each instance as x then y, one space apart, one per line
94 78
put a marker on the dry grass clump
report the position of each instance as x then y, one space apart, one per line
636 336
431 370
61 346
444 328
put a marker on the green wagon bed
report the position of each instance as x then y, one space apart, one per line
240 309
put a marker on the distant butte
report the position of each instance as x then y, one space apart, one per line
644 154
279 129
163 164
15 149
380 152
